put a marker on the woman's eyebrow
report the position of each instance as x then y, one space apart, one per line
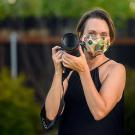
91 31
103 32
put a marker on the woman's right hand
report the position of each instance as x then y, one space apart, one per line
57 59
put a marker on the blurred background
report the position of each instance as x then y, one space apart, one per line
28 31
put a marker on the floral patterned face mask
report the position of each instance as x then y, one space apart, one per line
94 45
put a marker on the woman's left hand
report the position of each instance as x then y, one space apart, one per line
78 64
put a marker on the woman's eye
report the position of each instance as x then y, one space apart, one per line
104 35
93 36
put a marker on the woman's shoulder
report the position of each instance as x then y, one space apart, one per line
115 66
111 69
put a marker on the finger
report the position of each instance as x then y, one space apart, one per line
54 56
59 60
81 51
68 57
55 49
65 65
65 61
58 53
64 58
59 56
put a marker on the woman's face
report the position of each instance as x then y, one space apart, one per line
97 31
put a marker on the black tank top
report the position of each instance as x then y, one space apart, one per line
77 118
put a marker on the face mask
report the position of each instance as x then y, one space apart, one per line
95 46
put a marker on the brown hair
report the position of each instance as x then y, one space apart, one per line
96 13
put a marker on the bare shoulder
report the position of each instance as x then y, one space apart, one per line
111 69
117 68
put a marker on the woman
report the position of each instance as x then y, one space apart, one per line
93 91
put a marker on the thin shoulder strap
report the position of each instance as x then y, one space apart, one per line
104 63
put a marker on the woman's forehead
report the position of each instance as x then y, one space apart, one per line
96 24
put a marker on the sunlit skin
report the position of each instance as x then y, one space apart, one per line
99 103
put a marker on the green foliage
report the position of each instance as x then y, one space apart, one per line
20 8
120 10
66 8
78 7
130 103
19 114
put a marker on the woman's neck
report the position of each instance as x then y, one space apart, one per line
94 62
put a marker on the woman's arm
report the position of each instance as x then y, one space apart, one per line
52 101
54 95
101 103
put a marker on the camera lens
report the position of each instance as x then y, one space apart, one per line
69 42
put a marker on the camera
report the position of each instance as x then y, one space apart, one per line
70 43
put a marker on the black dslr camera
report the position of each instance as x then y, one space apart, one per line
70 43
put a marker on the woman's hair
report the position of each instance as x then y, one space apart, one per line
96 13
